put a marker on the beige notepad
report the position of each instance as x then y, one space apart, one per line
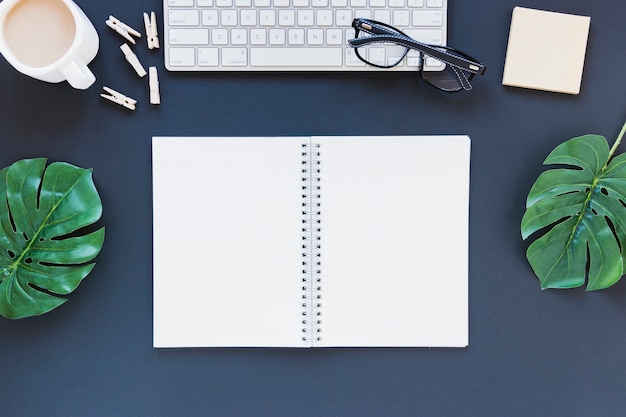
311 241
546 50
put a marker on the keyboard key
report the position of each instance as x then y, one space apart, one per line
286 17
352 60
182 57
434 3
184 18
180 3
204 3
376 56
393 59
383 16
430 36
401 18
305 18
224 3
209 17
229 17
315 37
343 18
189 36
413 61
208 57
248 18
427 18
432 62
234 57
267 18
219 36
277 37
324 18
258 36
238 36
296 57
334 37
295 37
349 35
363 14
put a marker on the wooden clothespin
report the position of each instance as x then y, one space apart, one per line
133 60
155 95
123 29
151 30
119 98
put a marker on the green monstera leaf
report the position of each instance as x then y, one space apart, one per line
44 248
579 211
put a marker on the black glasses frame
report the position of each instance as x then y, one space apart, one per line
462 66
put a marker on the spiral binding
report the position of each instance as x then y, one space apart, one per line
311 243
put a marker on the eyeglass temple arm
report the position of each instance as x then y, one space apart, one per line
467 65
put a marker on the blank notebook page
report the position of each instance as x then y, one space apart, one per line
226 236
394 241
383 261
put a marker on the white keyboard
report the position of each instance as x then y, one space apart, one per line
290 35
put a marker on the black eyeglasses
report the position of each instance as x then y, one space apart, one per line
384 46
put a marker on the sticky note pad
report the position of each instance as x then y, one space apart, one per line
546 50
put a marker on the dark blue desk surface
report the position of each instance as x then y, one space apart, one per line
531 353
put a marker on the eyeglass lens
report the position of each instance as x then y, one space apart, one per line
450 79
381 54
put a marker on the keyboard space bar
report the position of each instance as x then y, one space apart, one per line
296 57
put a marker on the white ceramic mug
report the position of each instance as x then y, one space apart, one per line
50 40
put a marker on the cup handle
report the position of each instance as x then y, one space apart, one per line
78 75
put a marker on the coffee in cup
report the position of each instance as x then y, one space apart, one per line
51 40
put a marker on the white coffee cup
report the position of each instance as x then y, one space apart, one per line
50 40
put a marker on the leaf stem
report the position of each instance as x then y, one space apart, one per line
617 142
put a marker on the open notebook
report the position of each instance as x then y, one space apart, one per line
311 241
